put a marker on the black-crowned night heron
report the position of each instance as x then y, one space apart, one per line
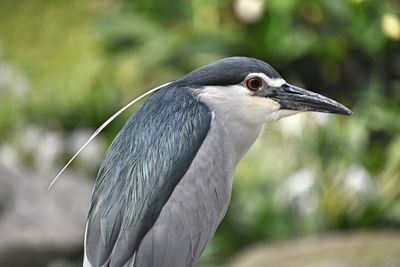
165 183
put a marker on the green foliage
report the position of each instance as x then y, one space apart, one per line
80 61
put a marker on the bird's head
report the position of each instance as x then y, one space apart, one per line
252 91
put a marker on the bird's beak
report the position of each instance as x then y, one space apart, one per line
291 97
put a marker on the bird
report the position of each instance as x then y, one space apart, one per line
165 182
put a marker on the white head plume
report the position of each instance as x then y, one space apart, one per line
108 121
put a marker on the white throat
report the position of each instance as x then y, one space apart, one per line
242 113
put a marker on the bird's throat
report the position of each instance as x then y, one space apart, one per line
241 136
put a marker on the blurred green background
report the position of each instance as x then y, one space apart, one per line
66 66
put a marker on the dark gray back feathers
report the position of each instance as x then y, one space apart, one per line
140 170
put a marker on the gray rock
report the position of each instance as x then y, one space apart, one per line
37 226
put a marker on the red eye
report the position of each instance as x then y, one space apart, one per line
254 83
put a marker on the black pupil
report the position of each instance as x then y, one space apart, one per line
255 83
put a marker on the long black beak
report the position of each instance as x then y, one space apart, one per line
291 97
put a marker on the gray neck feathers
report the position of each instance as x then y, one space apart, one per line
242 136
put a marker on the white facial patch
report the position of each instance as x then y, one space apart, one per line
274 82
237 103
240 104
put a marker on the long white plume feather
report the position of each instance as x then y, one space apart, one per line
102 127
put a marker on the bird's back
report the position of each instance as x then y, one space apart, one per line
141 169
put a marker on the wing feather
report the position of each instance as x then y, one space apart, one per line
140 170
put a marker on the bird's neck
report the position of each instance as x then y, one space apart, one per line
241 136
241 118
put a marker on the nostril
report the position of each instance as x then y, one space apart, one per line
296 93
289 89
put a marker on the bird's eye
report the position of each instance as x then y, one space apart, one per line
254 83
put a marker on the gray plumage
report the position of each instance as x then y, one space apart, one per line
165 182
196 207
147 153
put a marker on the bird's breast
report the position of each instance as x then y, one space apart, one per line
198 203
203 194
